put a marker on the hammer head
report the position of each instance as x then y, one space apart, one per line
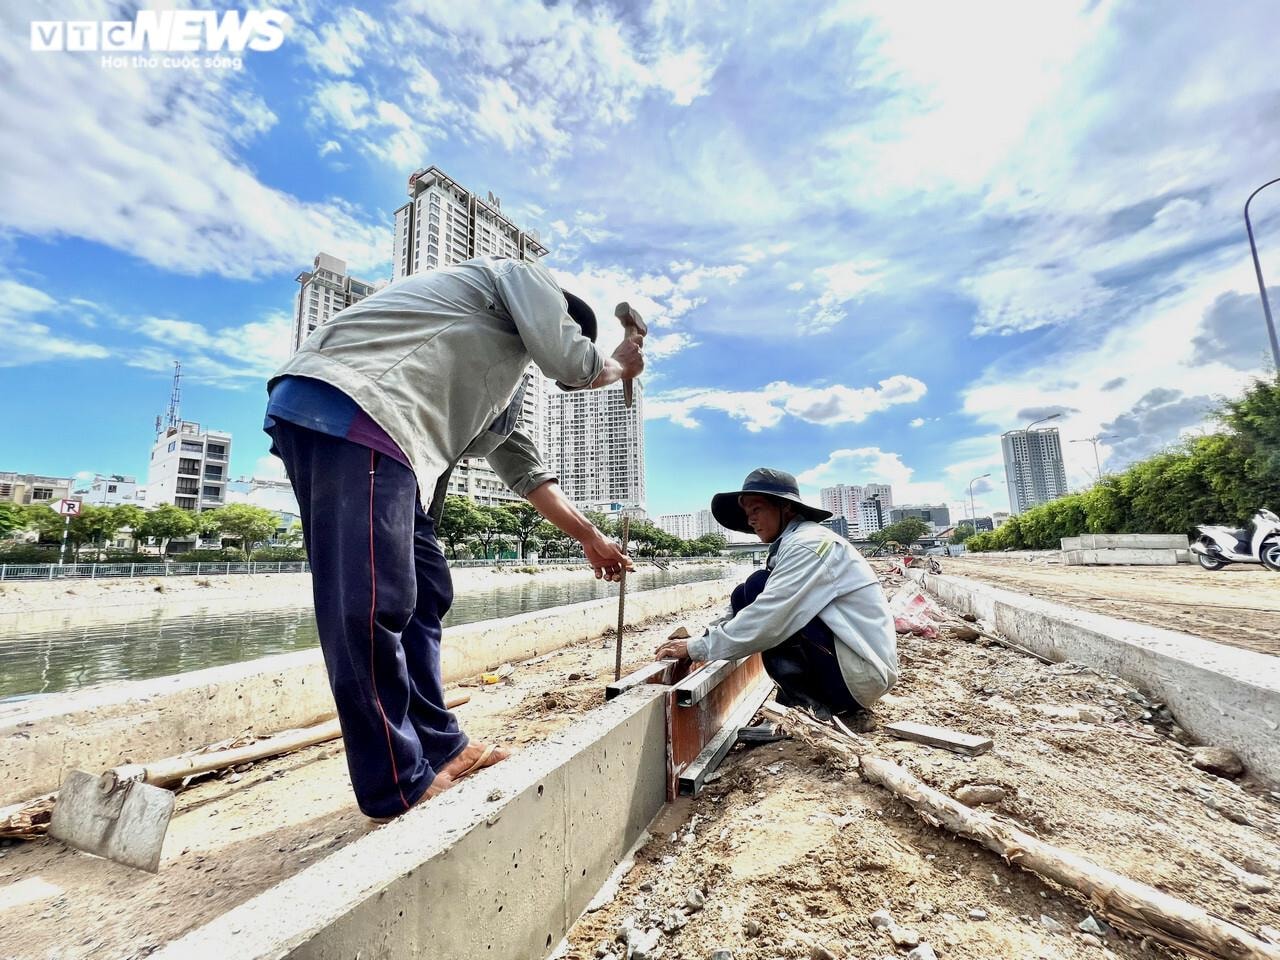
631 321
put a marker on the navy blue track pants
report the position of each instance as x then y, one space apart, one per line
804 665
381 587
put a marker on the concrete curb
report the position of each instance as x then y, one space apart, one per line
501 866
144 720
1219 694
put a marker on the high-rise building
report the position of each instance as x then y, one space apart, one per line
31 488
866 507
682 525
445 223
596 446
842 500
189 467
326 289
1033 467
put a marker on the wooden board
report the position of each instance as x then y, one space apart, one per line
952 740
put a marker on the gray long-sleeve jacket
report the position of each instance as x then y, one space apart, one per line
436 360
816 574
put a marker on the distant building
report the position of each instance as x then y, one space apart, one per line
682 525
999 518
840 526
112 491
326 291
189 467
596 445
983 525
937 516
33 489
867 507
1033 467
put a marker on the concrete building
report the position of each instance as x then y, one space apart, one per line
1033 467
112 490
31 488
867 507
937 516
445 223
325 290
840 526
999 518
189 467
879 491
596 446
682 525
872 516
842 500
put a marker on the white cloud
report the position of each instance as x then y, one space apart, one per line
27 340
1015 299
765 408
330 146
917 422
337 46
145 162
842 283
232 357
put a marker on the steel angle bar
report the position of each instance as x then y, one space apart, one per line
695 774
661 672
694 688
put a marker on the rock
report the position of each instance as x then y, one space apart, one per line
1091 715
1050 924
1254 883
694 899
645 944
721 954
1255 864
673 921
977 914
751 928
647 886
626 931
969 617
881 919
603 949
922 952
925 909
904 936
1090 939
821 953
1219 761
976 794
967 634
1093 925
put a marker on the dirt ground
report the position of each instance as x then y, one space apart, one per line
230 841
785 855
1238 605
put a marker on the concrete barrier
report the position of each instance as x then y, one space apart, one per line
1221 695
1126 541
1121 557
500 866
141 720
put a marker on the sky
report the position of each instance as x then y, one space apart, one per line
869 237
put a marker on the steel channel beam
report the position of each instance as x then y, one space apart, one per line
695 687
692 779
690 728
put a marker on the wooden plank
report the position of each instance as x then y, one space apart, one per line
952 740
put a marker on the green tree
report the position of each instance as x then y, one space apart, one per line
12 519
496 524
165 522
459 522
244 522
555 542
46 521
905 532
708 545
525 520
602 522
962 532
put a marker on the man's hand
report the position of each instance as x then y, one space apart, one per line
673 650
627 363
606 558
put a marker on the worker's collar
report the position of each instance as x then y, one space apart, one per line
773 547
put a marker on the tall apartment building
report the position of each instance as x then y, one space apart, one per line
597 446
866 507
842 500
112 490
189 467
680 525
326 289
32 488
1033 467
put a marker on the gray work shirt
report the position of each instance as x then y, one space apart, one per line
816 574
438 360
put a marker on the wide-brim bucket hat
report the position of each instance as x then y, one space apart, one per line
764 482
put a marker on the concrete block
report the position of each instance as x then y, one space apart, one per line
467 876
1121 558
1222 695
98 728
1126 541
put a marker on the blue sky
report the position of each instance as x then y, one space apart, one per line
869 236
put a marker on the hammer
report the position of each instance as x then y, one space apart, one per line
633 328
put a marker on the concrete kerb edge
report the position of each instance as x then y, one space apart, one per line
1221 695
148 719
501 866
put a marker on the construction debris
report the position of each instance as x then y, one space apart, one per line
939 737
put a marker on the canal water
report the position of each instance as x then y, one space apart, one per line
38 663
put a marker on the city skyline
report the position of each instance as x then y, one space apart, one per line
863 272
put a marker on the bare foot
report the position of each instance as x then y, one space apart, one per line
474 757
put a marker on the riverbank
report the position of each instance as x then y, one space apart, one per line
44 605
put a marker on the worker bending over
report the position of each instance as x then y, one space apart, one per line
816 613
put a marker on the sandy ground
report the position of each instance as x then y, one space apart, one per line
229 841
789 853
1238 605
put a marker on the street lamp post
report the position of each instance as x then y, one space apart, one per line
973 513
1262 287
1094 440
1016 502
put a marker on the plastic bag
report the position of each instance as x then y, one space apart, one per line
914 611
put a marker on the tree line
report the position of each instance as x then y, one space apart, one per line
1222 477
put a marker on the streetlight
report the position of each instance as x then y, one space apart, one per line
1094 440
1016 502
1262 287
972 513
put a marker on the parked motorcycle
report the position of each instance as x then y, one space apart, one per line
1219 546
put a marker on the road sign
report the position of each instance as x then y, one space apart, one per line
69 508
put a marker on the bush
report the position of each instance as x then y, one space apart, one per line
279 554
208 556
29 553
